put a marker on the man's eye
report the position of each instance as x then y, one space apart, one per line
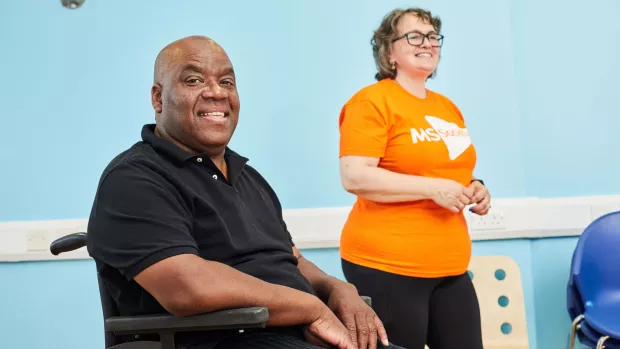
193 80
227 83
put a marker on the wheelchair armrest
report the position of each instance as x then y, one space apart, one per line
255 317
68 243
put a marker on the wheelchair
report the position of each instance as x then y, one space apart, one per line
165 325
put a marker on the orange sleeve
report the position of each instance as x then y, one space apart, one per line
363 130
453 106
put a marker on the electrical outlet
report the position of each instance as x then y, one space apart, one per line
38 240
490 221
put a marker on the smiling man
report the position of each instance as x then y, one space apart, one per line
182 224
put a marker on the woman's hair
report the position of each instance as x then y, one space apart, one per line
387 32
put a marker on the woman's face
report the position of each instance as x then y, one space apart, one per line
415 54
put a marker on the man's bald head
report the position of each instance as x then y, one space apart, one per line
174 52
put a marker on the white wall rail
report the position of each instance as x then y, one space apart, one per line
320 227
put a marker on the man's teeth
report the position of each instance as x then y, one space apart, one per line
215 113
423 55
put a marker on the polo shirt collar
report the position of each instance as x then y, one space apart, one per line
235 161
176 154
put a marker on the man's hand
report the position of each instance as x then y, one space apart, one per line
327 331
360 320
344 306
481 198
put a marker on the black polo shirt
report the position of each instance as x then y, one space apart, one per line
156 200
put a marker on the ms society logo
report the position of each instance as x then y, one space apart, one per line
456 139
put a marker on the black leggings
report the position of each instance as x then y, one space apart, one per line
442 313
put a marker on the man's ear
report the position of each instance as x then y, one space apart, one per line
156 98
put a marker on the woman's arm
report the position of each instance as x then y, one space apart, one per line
361 176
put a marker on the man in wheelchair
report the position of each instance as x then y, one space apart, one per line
181 224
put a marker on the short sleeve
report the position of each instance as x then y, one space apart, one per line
363 130
138 219
453 106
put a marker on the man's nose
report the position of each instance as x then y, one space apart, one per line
213 90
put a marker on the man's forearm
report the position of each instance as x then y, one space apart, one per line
193 285
320 281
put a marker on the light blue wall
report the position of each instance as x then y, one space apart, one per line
568 103
535 81
550 269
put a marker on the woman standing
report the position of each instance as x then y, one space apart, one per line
406 154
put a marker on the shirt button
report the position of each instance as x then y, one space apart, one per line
214 176
199 159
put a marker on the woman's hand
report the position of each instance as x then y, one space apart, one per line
451 195
481 198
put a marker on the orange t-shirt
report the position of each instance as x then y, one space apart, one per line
424 137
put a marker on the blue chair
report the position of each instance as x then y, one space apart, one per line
593 292
574 303
580 328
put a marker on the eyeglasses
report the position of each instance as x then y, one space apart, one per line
417 38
